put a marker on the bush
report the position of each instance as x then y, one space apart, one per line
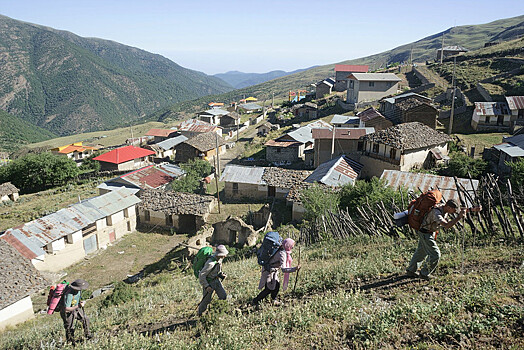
318 201
121 294
460 164
371 192
195 169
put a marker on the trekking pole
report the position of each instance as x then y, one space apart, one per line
296 279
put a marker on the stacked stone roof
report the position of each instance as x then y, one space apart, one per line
284 178
7 188
408 136
18 276
205 141
177 203
410 103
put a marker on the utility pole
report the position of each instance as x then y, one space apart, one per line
450 128
273 100
333 143
217 171
442 49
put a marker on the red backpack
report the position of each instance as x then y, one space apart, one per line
418 208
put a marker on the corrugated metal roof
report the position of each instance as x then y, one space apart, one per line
425 182
351 68
374 76
252 106
304 134
454 48
160 132
336 172
29 247
515 102
113 202
215 111
342 133
195 125
243 174
510 150
172 142
345 119
517 140
491 108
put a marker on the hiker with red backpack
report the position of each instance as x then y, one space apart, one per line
274 256
427 215
210 277
72 309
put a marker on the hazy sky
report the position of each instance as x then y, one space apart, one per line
258 36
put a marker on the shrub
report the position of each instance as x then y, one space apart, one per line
121 294
460 164
318 201
195 169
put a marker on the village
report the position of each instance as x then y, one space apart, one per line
395 124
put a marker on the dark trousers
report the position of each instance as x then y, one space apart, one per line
265 292
69 319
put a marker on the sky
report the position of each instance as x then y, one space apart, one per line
258 36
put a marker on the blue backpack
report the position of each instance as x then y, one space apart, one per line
270 245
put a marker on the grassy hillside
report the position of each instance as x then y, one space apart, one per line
16 132
68 84
350 294
472 37
241 80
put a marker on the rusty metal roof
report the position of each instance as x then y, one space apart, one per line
425 182
515 102
336 172
491 108
195 125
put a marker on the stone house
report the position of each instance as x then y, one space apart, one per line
409 107
264 128
324 87
307 110
366 87
125 158
234 232
511 150
371 118
8 192
193 127
402 147
230 120
152 176
280 181
516 106
341 74
166 149
345 141
203 146
346 121
492 116
291 147
244 182
18 280
75 151
212 116
160 135
184 212
58 240
450 51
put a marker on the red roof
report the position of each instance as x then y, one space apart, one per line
22 249
148 177
274 143
160 132
340 133
123 154
351 68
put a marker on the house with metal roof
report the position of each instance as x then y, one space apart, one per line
346 121
125 158
250 107
344 141
336 172
291 147
493 116
366 87
212 116
424 182
60 239
516 106
450 51
19 280
75 151
193 127
341 74
184 212
371 118
166 149
324 87
509 151
161 134
402 147
153 176
244 182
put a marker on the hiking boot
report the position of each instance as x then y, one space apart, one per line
425 277
276 303
411 274
88 336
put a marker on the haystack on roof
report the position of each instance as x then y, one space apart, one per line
7 188
205 141
409 136
18 276
284 178
177 203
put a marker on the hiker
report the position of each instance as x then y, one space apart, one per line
72 309
210 278
269 280
427 245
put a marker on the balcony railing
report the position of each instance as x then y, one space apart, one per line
385 159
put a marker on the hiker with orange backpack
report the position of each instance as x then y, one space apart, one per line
72 309
427 215
210 277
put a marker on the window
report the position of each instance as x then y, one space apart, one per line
360 146
235 188
169 220
126 212
147 217
279 150
109 221
351 84
392 153
128 226
371 83
375 148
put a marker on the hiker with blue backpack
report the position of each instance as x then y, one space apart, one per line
274 255
211 275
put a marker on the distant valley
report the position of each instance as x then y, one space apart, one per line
241 80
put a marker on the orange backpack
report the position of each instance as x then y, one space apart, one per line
418 208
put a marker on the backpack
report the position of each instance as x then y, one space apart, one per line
420 207
200 259
270 245
55 296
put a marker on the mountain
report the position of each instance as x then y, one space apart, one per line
69 84
15 132
241 80
471 36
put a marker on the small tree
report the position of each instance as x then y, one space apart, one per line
195 169
460 164
517 175
318 201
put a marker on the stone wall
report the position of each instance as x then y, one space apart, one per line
234 231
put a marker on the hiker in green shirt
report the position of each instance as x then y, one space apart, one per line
72 309
210 278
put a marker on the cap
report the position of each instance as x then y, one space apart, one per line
79 284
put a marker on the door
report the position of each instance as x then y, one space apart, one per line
90 244
112 236
271 191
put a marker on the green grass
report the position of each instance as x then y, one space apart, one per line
348 295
